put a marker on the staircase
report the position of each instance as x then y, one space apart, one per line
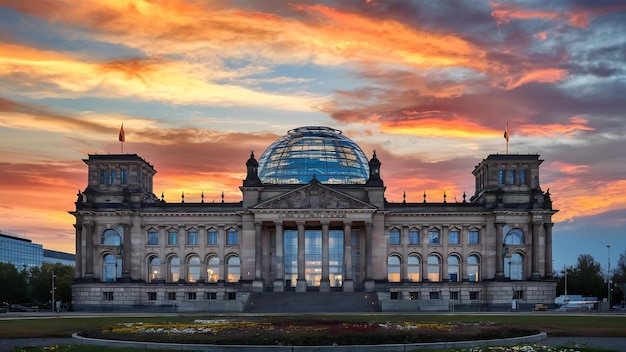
311 302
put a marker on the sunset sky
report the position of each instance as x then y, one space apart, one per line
429 85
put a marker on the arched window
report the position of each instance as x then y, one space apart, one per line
413 268
111 238
473 268
454 268
514 267
514 237
393 268
434 268
213 269
193 268
154 269
233 268
173 269
111 268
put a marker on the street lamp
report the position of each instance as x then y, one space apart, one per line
53 289
608 278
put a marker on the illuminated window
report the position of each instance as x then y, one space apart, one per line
393 268
213 269
233 269
413 268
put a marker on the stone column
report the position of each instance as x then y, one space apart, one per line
126 253
78 228
221 240
368 251
182 241
279 283
424 263
548 248
499 252
535 275
325 282
301 282
348 283
257 285
89 231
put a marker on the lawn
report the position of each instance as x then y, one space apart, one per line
554 325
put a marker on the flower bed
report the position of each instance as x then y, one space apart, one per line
304 332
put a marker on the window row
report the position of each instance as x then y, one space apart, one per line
113 176
173 296
192 237
512 177
413 270
191 270
112 237
434 236
454 295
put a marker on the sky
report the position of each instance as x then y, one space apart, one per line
429 85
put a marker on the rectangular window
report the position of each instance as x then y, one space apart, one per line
474 295
454 237
511 177
519 294
522 177
211 295
152 296
394 295
153 238
232 296
454 295
414 295
501 176
171 296
192 238
211 238
191 296
414 237
172 238
104 177
124 176
232 237
473 237
433 236
113 177
434 295
108 296
394 237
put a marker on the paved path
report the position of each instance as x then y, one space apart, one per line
610 343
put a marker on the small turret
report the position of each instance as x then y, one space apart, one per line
252 177
374 179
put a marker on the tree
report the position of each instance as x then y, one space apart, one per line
619 279
41 282
586 278
13 284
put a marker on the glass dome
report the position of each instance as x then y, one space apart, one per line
313 150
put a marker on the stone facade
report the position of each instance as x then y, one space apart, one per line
136 250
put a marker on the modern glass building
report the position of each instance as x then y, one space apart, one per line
21 252
313 219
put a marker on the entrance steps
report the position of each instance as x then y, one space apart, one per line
311 302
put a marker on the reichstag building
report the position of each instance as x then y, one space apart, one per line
313 220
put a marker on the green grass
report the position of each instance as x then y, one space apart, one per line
556 325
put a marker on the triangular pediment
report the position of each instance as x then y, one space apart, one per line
314 196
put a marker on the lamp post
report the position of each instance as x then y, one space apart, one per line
53 289
608 278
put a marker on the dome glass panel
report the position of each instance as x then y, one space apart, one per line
313 150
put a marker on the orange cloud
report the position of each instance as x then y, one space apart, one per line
576 125
576 197
544 75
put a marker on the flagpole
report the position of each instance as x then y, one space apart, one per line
506 137
122 138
